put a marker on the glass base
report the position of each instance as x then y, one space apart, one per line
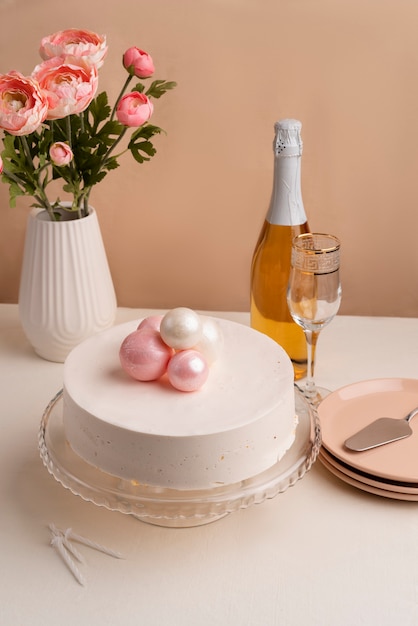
316 398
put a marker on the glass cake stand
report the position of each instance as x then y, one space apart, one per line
171 507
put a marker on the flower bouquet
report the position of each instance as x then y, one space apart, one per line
55 127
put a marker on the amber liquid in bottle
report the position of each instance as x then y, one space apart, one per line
271 260
269 278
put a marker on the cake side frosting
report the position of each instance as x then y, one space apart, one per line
236 426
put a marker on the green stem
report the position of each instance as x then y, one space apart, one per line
86 205
113 146
102 163
13 177
68 124
73 170
122 91
26 150
42 198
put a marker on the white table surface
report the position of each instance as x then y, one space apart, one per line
323 553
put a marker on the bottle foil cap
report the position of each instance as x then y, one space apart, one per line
287 140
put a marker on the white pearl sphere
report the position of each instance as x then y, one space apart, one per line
212 341
181 328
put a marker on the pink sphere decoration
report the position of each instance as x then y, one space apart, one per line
152 321
187 370
144 355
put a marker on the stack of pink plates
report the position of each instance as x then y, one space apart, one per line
390 470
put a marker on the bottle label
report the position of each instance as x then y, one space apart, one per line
286 204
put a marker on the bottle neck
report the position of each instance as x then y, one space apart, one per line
286 204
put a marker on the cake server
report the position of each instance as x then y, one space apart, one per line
381 431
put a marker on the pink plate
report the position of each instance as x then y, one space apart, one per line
378 483
353 407
396 495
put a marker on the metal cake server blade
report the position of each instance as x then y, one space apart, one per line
380 432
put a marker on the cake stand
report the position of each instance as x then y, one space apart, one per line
171 507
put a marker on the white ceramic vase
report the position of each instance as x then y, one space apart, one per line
66 290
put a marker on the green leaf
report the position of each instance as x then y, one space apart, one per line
139 87
159 88
141 148
99 109
147 131
16 190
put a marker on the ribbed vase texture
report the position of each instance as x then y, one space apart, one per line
66 289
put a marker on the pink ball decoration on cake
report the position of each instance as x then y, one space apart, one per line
181 328
144 355
152 321
188 370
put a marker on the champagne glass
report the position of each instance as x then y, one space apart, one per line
314 294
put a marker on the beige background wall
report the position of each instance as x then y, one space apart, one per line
181 229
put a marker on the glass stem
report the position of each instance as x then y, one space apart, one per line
311 341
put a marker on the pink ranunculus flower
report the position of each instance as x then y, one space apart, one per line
69 83
1 165
60 153
138 63
134 109
89 46
23 105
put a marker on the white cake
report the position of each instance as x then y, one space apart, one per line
240 423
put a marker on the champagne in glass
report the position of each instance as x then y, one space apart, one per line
314 294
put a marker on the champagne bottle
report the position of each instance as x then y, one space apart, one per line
270 268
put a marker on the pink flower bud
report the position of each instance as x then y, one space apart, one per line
138 63
1 165
134 109
60 153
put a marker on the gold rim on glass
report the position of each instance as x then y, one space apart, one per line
317 253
